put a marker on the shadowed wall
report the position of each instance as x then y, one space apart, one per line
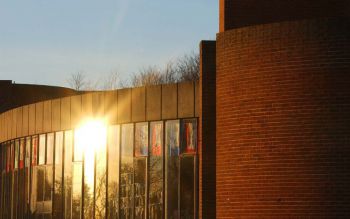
241 13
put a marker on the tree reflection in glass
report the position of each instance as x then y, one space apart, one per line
172 134
140 165
101 178
89 183
76 189
126 175
187 186
48 187
58 186
155 205
68 147
27 175
113 171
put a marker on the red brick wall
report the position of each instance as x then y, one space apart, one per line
207 141
240 13
283 121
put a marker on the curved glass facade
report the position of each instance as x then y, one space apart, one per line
135 170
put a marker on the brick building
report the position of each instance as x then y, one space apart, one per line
263 134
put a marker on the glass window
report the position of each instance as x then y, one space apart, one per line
27 175
34 150
8 156
48 183
68 147
172 135
12 159
37 187
16 153
188 136
3 158
21 179
156 171
140 165
21 153
89 182
113 170
101 178
42 141
58 184
126 175
79 145
76 190
187 187
49 148
141 139
14 193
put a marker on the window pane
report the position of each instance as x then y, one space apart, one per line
189 136
126 175
101 177
58 186
59 149
42 149
8 158
27 174
141 139
14 204
48 182
34 150
21 153
40 184
89 183
78 146
3 158
113 171
12 159
49 148
187 192
140 165
172 136
37 195
156 171
68 147
77 189
21 180
47 205
16 153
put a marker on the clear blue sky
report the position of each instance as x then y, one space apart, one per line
44 41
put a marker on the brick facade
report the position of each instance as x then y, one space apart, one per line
241 13
283 124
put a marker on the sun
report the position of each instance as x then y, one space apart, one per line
90 138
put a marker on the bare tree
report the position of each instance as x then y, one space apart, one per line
91 85
187 67
113 81
147 76
169 73
77 80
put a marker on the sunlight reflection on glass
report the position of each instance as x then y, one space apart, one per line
90 138
90 141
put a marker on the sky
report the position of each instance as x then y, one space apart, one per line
46 41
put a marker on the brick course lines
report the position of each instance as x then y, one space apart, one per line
283 120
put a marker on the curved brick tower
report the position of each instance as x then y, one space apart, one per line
282 109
